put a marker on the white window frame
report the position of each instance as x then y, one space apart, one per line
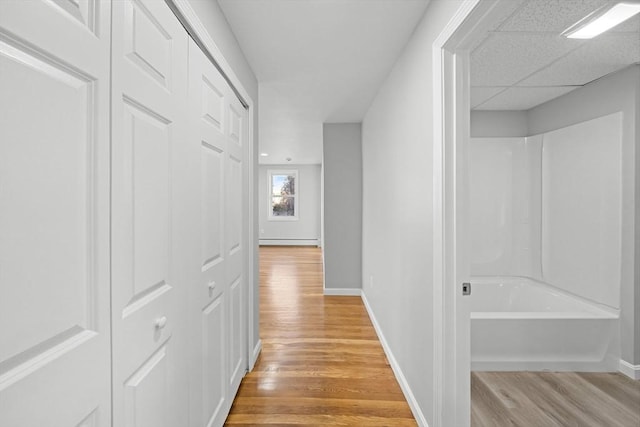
291 172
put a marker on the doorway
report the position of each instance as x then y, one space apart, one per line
452 88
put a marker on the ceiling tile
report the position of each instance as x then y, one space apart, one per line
482 94
505 59
598 57
550 15
496 18
523 98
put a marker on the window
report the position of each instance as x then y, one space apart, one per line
283 196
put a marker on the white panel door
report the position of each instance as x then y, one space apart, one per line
208 309
216 302
236 139
54 213
149 95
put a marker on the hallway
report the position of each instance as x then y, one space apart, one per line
321 361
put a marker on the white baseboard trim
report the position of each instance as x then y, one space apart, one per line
353 292
254 355
632 371
541 366
288 242
404 384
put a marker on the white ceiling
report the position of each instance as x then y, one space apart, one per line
323 61
317 61
523 61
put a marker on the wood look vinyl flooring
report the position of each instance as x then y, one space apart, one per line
554 399
321 361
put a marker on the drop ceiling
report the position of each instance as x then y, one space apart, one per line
524 61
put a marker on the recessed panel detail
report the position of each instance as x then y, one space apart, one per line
84 11
148 45
90 420
235 125
46 250
235 295
212 104
212 204
147 137
213 327
146 393
234 221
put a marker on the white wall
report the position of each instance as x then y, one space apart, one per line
581 209
610 94
499 124
342 162
500 195
549 207
397 241
304 230
216 24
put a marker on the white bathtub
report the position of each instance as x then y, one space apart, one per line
521 324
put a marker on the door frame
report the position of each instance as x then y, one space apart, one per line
451 131
197 31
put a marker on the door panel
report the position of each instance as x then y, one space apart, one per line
145 390
149 285
235 250
208 309
54 221
216 303
213 358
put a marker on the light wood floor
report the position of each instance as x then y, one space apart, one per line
321 361
554 399
322 364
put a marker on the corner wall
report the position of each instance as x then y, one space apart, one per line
616 92
397 241
342 245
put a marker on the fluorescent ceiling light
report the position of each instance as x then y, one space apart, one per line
609 19
264 154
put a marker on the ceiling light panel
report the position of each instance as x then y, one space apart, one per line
593 27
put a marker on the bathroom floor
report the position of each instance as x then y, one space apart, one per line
545 399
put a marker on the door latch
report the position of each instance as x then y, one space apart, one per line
466 288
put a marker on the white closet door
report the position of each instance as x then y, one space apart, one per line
216 303
54 213
236 134
149 289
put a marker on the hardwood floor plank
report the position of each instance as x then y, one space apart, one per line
316 420
321 361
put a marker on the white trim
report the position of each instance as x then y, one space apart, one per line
255 354
289 242
189 19
355 292
606 365
402 380
443 239
632 371
196 29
